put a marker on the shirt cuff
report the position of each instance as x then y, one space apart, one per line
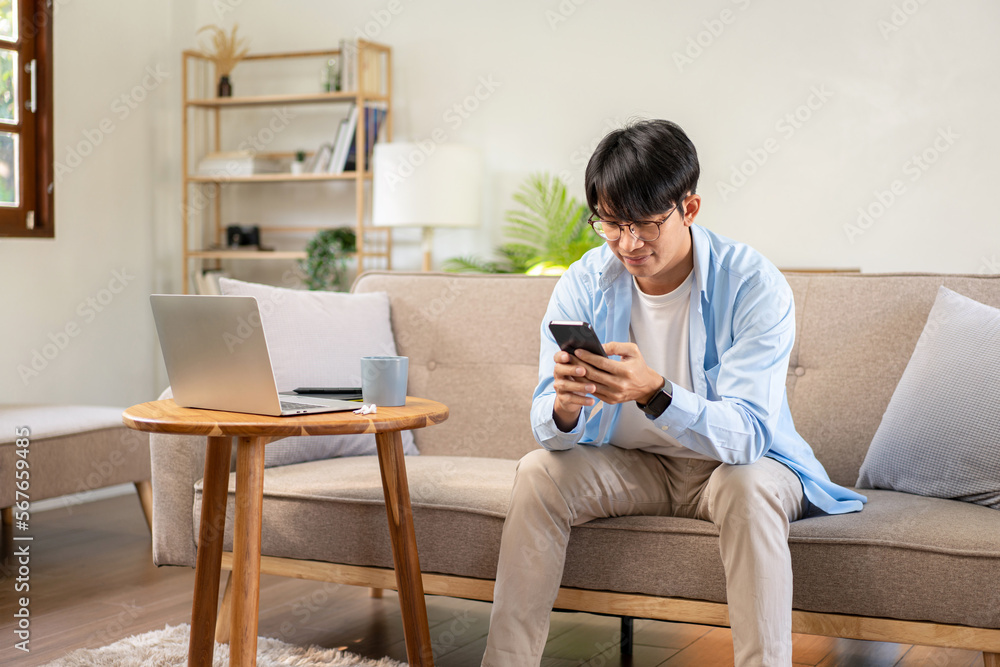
548 434
681 414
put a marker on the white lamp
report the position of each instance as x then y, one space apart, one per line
426 185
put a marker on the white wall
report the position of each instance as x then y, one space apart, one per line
889 83
564 72
76 317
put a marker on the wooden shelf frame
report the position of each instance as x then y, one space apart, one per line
279 178
281 100
248 254
267 254
374 77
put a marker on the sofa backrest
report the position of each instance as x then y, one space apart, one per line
473 342
854 336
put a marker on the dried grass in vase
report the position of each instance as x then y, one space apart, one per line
227 51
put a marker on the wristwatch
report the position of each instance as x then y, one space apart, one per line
660 401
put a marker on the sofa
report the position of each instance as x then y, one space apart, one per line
907 569
70 449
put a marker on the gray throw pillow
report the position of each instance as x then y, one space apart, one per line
317 339
940 434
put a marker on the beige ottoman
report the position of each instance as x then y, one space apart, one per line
70 449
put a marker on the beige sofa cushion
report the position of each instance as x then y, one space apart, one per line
53 421
73 448
317 339
904 556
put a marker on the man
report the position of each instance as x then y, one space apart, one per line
691 419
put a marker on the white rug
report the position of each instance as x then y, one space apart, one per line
169 647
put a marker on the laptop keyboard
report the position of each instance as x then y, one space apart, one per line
288 405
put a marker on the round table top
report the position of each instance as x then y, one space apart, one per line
168 417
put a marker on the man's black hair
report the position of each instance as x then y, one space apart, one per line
641 171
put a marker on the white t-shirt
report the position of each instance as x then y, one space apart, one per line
659 326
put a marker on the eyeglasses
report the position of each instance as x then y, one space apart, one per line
644 230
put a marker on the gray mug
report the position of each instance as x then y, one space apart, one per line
383 380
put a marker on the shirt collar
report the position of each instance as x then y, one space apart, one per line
611 270
702 257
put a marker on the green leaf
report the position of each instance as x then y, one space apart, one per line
473 264
325 265
548 225
550 221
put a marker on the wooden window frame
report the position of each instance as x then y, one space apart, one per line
34 217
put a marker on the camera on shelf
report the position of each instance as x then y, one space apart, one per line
242 235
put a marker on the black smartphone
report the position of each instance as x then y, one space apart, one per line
343 393
572 336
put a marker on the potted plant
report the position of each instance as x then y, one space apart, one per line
325 266
548 232
299 163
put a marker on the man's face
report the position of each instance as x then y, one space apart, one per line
661 265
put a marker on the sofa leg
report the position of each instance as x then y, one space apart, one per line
375 593
8 516
145 491
626 644
223 622
991 659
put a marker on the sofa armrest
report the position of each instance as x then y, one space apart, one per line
177 463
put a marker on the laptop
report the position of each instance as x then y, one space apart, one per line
216 357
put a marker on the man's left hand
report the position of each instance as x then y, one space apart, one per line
630 379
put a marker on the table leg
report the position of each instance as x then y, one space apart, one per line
213 526
246 550
404 549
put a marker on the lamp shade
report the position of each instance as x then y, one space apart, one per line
426 185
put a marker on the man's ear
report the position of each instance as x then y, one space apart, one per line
691 206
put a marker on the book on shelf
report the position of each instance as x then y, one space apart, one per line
345 137
321 159
375 114
348 65
342 155
368 73
237 163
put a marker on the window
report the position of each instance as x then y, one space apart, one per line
26 165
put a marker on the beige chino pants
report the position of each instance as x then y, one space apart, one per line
751 504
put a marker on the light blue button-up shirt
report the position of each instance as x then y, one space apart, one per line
742 330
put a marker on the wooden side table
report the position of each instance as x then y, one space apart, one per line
252 433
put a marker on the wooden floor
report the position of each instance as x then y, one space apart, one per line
92 582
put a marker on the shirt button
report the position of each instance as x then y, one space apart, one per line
800 371
664 428
431 365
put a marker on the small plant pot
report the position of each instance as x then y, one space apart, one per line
225 87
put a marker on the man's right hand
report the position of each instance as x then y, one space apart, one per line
571 390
